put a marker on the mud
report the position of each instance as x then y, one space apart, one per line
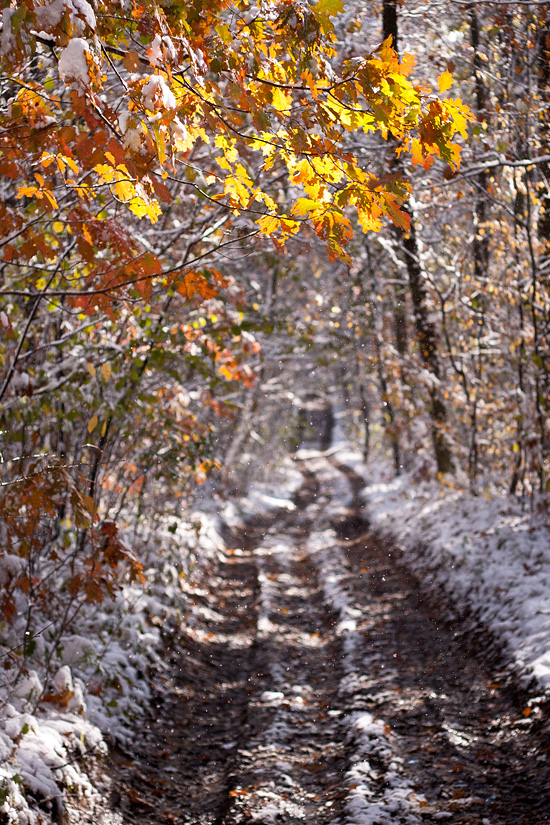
251 722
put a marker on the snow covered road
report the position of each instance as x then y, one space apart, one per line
312 684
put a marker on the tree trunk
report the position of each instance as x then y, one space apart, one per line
425 331
429 349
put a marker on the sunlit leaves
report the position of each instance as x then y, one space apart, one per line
445 81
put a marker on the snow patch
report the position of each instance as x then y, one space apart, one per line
157 94
81 14
486 554
73 64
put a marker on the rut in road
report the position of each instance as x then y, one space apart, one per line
312 684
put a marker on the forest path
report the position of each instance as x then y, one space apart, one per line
311 684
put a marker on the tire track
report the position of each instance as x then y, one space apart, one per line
318 687
457 721
291 766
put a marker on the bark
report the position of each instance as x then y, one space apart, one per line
365 409
389 22
481 241
429 349
540 280
480 245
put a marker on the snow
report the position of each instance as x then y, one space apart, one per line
489 555
157 94
81 14
179 130
11 567
154 52
161 49
73 64
8 41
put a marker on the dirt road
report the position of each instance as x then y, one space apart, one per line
312 684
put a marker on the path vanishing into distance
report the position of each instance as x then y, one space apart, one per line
312 684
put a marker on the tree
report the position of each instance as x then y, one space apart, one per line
144 149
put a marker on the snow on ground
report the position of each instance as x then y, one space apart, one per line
490 555
53 724
264 497
369 739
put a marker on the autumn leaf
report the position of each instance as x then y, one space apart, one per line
325 9
445 81
281 100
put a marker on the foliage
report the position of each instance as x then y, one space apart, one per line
146 149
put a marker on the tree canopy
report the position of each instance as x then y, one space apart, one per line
211 208
140 143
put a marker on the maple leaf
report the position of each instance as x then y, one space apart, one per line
445 81
328 8
281 100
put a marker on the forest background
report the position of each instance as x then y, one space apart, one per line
208 205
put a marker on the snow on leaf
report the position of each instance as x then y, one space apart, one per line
157 94
73 64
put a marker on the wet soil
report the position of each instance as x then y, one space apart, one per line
250 722
476 744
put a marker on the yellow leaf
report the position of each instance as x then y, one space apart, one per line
459 113
106 371
268 224
141 208
161 145
445 81
124 190
280 100
47 160
72 164
417 155
86 233
303 206
329 7
92 423
106 172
